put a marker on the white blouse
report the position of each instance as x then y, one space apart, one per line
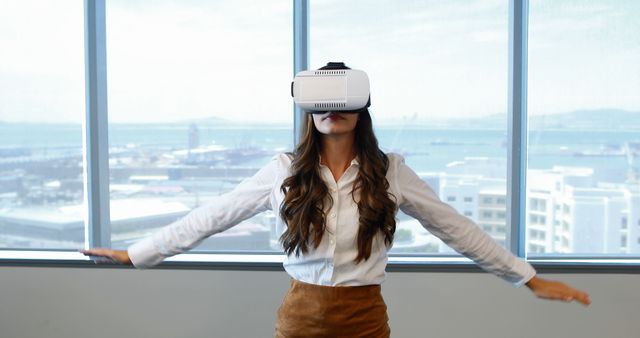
332 262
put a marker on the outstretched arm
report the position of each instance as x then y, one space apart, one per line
418 200
249 198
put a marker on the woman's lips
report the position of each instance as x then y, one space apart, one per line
334 117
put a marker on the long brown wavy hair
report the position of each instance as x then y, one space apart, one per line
306 194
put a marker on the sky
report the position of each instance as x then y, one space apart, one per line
181 60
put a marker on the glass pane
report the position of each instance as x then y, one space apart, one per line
198 100
41 114
438 73
583 192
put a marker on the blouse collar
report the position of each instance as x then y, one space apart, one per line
354 162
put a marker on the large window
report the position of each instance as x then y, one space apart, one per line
584 128
41 114
198 101
438 73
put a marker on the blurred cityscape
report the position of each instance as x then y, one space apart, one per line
583 209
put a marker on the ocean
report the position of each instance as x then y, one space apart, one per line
425 150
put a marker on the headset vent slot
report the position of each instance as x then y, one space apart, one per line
330 105
330 72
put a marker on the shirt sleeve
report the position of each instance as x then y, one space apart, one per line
418 200
249 198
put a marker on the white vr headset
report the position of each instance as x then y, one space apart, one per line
338 89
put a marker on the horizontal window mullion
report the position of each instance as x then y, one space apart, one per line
273 262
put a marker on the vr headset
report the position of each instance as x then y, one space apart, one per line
334 87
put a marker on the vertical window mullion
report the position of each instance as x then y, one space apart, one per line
517 127
96 143
300 57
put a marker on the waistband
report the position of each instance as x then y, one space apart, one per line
362 291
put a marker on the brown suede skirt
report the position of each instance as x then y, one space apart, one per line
310 310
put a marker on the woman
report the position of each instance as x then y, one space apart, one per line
337 197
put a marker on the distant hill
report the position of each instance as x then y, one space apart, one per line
216 122
598 119
210 122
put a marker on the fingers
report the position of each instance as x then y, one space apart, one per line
105 255
560 291
583 298
97 252
571 294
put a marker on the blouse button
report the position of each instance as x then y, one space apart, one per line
333 215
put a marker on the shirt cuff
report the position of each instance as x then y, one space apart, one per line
529 272
143 254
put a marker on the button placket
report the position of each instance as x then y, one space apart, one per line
334 213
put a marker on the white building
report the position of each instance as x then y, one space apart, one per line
567 211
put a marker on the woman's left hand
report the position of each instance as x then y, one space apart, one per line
549 289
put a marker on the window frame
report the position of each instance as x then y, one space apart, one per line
96 152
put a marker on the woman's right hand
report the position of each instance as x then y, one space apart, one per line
108 256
